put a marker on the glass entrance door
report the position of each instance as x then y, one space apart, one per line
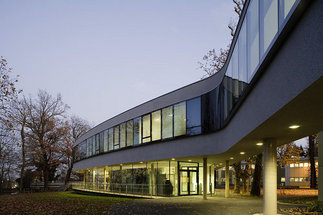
188 178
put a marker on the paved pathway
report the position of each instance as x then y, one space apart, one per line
192 205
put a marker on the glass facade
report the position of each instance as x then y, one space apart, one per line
210 111
158 178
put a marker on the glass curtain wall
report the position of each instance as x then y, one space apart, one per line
261 25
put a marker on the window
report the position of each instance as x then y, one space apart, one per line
243 75
296 164
93 145
305 164
291 165
116 143
282 179
292 179
296 179
193 116
253 37
301 179
89 147
288 4
130 133
137 131
269 22
101 142
235 74
167 122
301 164
156 125
180 119
123 135
110 139
316 163
105 141
146 125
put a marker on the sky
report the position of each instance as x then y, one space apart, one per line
105 57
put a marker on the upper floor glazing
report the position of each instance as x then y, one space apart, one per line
259 26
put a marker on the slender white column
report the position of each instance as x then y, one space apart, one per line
320 167
104 180
227 181
205 178
270 177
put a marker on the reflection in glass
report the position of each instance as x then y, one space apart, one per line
269 21
167 122
253 37
110 139
156 125
193 114
180 119
123 135
105 140
243 75
130 133
146 129
288 4
137 131
101 143
116 143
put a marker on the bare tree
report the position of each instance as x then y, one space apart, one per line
213 61
47 129
77 127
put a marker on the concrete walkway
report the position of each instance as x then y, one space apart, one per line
193 205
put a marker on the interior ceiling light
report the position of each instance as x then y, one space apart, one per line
231 158
294 126
189 160
141 162
173 159
259 144
242 153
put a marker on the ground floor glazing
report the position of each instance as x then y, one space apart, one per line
157 178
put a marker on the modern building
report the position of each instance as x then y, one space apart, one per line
269 91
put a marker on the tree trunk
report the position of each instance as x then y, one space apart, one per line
311 154
46 175
23 154
237 169
256 185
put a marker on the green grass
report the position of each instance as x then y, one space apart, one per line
56 203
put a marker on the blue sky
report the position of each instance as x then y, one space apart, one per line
105 57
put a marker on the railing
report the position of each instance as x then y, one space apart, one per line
137 189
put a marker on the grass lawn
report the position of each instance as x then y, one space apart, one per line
56 203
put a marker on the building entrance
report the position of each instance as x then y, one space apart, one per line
188 176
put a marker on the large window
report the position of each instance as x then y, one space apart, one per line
137 131
146 126
193 121
123 135
167 122
253 37
116 143
101 142
156 125
110 139
180 119
105 141
130 133
243 75
269 22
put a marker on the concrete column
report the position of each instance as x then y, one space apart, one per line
205 178
270 177
227 181
320 167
